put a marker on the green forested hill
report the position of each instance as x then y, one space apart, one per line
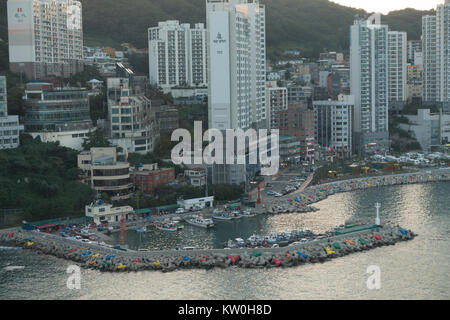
40 178
308 25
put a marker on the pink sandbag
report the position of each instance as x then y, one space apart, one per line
377 237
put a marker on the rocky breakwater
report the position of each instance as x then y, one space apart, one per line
110 260
301 201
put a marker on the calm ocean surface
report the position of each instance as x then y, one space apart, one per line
417 269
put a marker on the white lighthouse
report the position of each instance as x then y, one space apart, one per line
377 219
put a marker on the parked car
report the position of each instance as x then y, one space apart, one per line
179 210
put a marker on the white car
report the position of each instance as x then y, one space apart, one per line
179 210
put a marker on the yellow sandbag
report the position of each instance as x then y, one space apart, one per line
156 264
30 243
329 251
121 266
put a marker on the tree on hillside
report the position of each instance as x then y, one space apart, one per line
81 78
95 138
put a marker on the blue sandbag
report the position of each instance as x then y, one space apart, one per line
304 256
110 256
297 199
402 231
86 253
186 258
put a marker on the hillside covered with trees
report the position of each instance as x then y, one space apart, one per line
41 179
308 25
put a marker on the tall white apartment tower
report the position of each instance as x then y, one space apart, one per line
198 56
429 59
177 55
45 37
398 52
436 57
236 63
369 82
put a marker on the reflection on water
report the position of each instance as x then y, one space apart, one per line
416 269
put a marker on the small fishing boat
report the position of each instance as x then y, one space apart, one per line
236 215
223 217
200 222
165 227
236 243
245 214
255 240
271 238
143 229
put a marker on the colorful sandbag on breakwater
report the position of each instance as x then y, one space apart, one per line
233 259
376 237
94 256
277 262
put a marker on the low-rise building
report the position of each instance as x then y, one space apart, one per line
105 213
9 132
167 117
298 121
430 129
299 94
57 114
189 95
290 151
196 176
9 125
105 174
148 176
197 203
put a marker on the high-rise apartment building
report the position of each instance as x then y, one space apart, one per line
177 55
369 82
45 37
414 48
333 124
397 56
236 64
236 73
436 57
